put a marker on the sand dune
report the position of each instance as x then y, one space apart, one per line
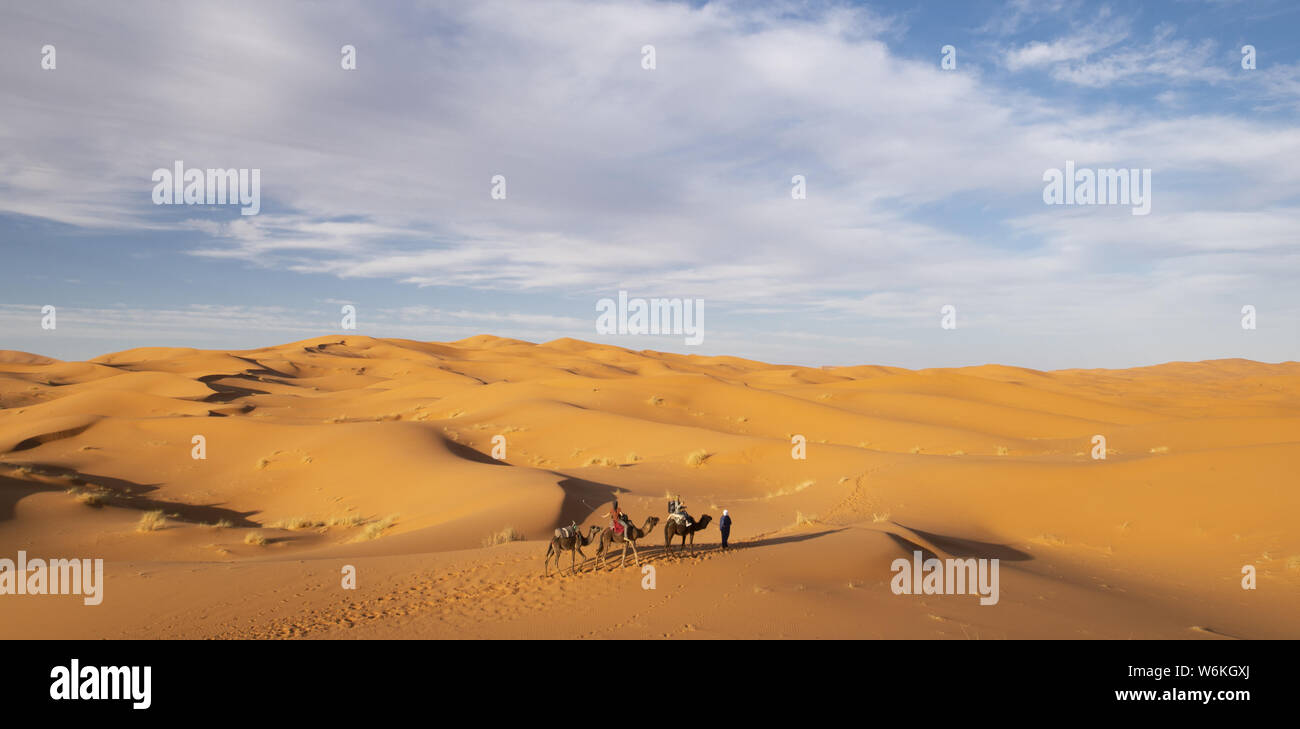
348 450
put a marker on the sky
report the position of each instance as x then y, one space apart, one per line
923 176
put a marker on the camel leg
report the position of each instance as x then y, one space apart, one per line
584 556
635 556
546 563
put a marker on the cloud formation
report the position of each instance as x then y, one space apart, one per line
924 185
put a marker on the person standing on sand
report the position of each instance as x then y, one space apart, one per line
724 526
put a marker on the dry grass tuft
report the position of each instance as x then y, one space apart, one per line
505 536
697 458
95 499
294 523
376 529
91 498
151 521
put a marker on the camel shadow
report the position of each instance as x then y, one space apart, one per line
657 551
770 541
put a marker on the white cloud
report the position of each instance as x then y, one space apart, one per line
669 182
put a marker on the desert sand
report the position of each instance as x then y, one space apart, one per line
378 453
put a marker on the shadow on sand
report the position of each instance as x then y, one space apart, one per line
960 548
111 492
655 552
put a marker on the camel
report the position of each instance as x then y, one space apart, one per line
629 536
674 528
573 545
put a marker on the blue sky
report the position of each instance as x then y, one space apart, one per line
924 185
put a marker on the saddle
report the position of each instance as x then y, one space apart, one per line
677 513
621 526
567 532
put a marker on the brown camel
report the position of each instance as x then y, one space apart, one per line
674 528
629 536
573 545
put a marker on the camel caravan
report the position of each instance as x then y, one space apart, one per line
622 531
